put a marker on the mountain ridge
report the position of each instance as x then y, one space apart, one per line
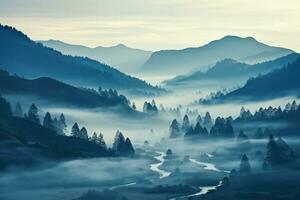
278 83
124 58
20 55
188 59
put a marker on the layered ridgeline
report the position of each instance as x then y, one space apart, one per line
59 93
229 69
186 60
278 83
124 58
27 58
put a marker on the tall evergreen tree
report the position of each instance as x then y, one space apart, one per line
5 108
62 121
133 106
119 140
228 129
18 112
94 137
185 124
100 141
75 132
83 134
174 129
245 167
33 114
271 151
48 122
199 119
207 121
129 148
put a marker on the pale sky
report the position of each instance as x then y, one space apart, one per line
155 24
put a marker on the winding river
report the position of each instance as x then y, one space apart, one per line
155 167
205 189
208 166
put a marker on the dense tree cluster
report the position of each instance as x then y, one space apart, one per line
113 95
99 140
222 128
79 132
278 153
122 146
291 112
197 131
59 125
150 107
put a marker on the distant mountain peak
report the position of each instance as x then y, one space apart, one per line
121 45
226 61
234 37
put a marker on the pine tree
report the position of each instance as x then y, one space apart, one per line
83 134
145 107
5 108
199 119
133 106
129 148
119 141
33 114
174 129
245 167
94 137
207 122
62 122
48 122
228 129
18 112
153 103
75 130
101 142
185 124
271 152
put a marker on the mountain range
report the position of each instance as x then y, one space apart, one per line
278 83
20 55
187 60
229 69
123 58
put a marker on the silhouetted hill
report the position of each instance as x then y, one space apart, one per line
189 59
281 82
20 55
231 69
58 92
124 58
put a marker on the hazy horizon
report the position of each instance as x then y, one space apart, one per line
167 24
